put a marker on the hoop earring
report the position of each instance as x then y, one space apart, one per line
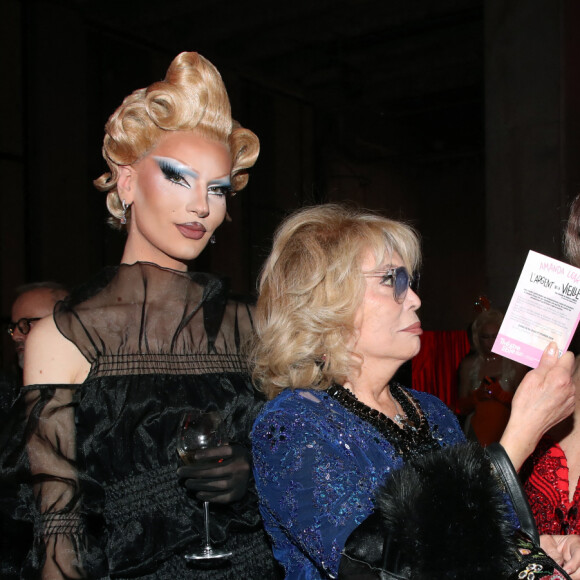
212 239
125 208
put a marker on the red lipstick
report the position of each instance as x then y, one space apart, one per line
192 231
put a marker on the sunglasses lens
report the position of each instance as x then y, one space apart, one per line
415 283
401 283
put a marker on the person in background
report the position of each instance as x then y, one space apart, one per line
551 474
487 382
336 317
110 377
32 302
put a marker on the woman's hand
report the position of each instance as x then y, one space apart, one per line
544 398
565 550
549 545
218 474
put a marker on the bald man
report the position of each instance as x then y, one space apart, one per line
33 302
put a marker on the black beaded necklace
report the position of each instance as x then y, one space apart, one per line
409 436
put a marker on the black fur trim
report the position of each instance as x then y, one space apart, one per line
448 516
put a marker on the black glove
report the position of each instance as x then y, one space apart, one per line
218 474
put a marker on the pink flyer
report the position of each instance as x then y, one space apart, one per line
545 307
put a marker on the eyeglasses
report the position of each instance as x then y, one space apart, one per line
399 279
24 325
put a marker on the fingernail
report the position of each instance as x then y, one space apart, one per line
552 349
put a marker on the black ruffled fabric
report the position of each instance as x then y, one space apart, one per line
103 454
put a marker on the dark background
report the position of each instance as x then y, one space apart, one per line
459 116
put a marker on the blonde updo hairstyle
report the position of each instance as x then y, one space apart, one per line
311 287
491 316
192 97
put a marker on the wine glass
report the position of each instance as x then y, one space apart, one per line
199 430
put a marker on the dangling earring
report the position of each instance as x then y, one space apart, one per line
212 239
125 208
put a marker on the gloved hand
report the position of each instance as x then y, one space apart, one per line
218 474
494 388
488 389
482 393
499 394
495 391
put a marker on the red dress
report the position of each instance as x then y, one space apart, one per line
546 483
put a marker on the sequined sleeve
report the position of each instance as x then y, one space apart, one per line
317 468
315 484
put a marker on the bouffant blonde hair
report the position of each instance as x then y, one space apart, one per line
192 97
311 287
491 316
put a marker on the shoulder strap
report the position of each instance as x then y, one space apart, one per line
510 481
370 553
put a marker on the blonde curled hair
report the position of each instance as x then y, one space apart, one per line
192 97
311 287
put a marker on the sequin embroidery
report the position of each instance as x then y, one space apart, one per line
317 467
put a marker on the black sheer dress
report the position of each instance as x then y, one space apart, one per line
102 454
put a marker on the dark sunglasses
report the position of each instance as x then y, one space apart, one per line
24 325
400 280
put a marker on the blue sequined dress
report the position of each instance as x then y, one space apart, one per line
317 466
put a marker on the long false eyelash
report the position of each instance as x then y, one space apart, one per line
172 174
220 189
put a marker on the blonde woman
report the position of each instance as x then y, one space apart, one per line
336 317
109 377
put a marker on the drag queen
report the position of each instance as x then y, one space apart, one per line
110 376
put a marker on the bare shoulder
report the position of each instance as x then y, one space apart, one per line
50 358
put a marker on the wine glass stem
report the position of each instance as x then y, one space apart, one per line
206 522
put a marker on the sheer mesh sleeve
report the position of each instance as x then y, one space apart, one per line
50 446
